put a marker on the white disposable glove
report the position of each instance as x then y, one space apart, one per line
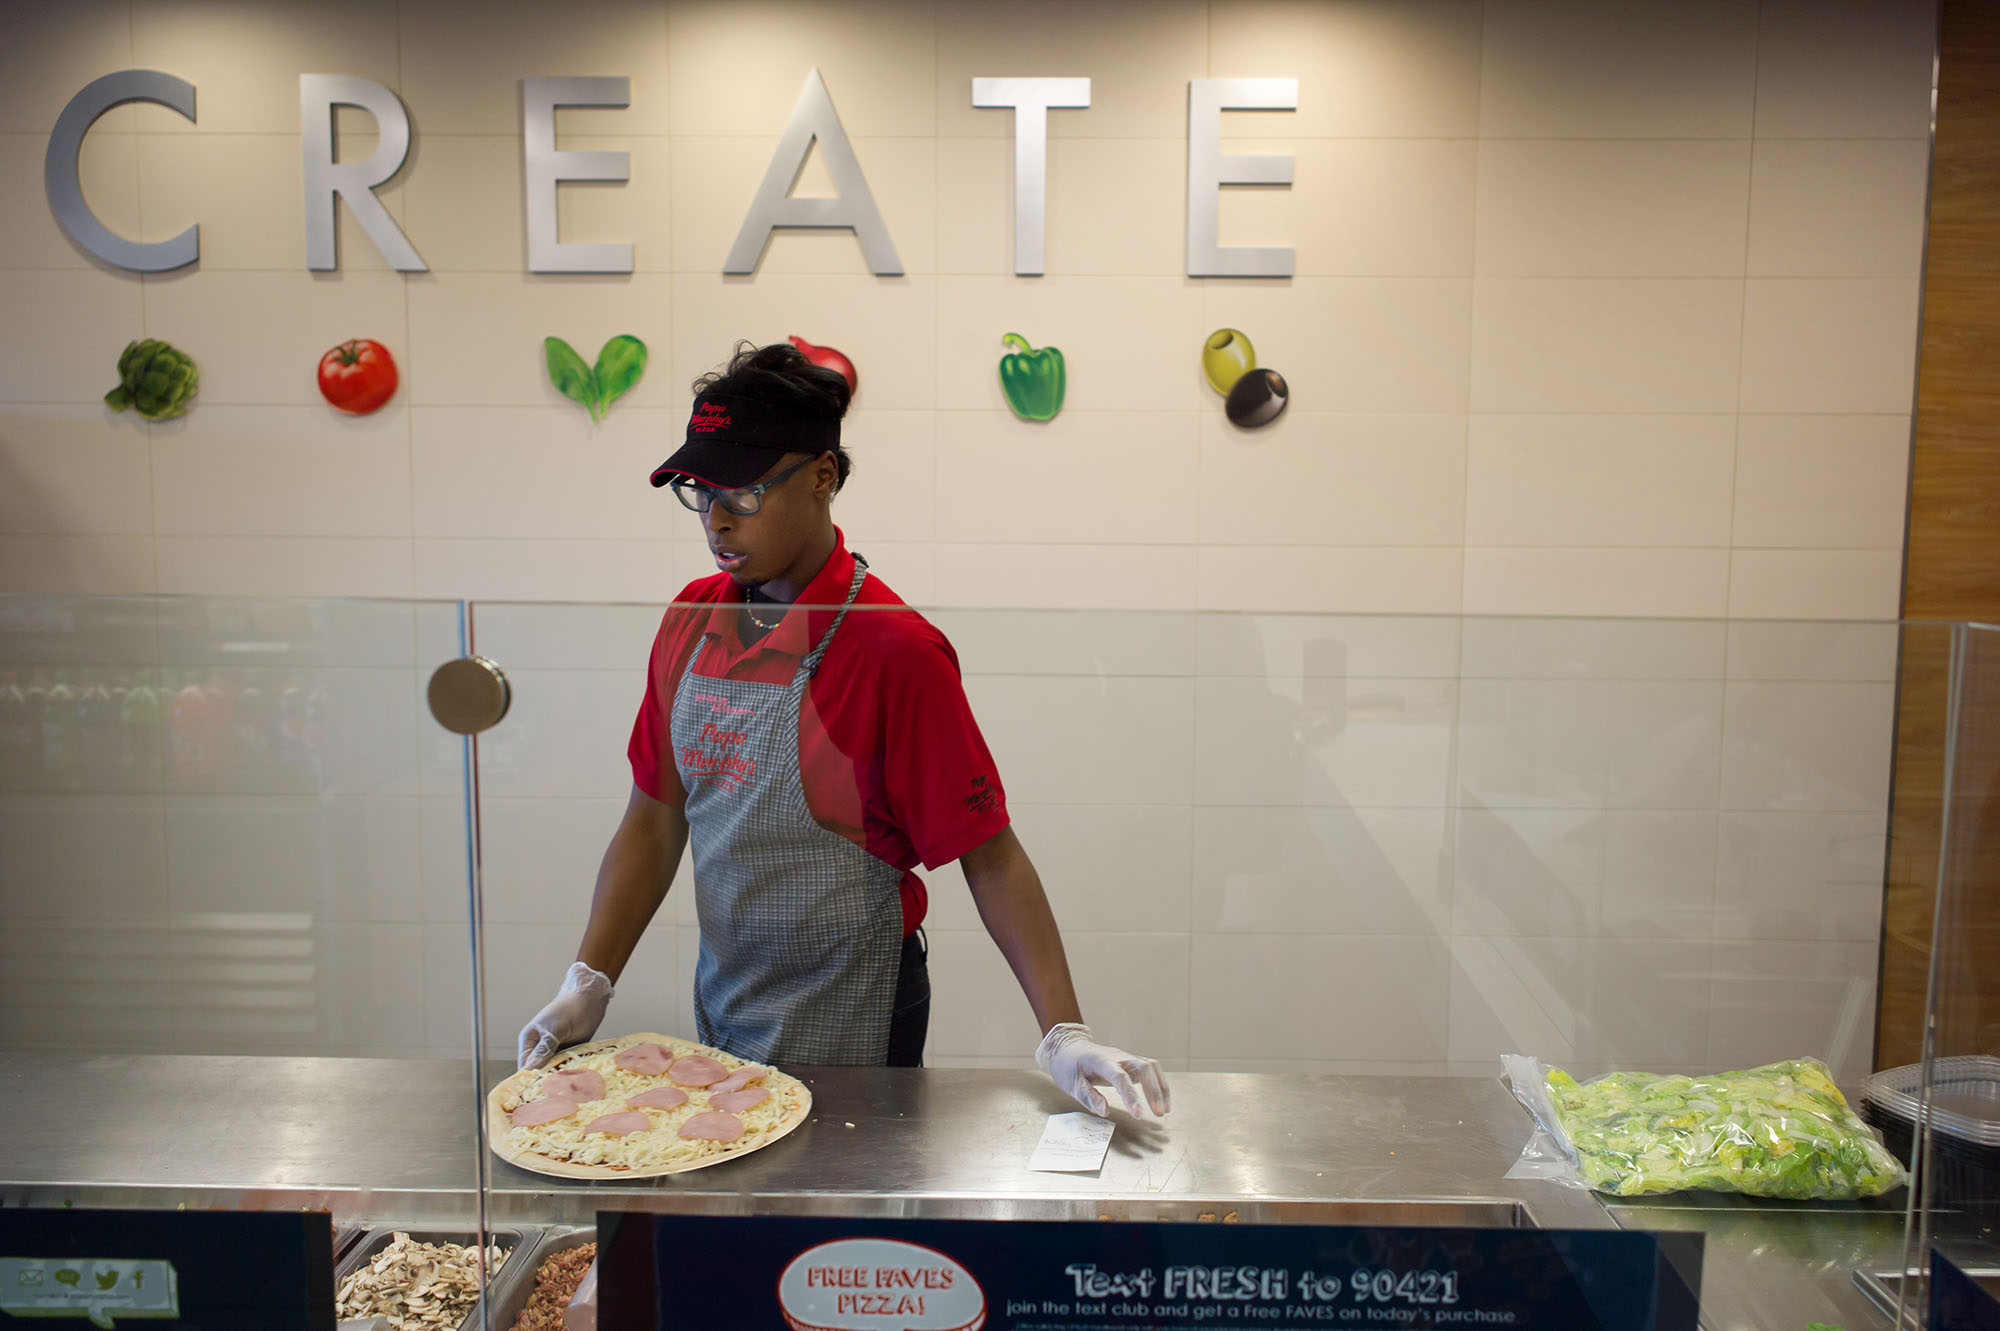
571 1016
1079 1065
581 1314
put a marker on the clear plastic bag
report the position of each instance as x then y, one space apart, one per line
1782 1130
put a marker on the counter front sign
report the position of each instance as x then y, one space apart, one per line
219 1270
1960 1302
820 1274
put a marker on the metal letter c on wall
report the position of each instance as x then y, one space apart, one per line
65 187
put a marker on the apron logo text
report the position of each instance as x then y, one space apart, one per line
730 771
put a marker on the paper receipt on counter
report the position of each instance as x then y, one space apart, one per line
1073 1144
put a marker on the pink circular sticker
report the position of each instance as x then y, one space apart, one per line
879 1285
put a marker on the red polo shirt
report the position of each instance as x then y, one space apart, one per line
889 754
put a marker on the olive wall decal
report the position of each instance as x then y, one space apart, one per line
1258 398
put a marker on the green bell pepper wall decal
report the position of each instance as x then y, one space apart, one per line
1032 380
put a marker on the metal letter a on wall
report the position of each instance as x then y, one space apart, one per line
852 208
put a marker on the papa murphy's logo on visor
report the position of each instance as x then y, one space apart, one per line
708 418
879 1285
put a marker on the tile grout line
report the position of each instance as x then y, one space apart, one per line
1735 471
1743 314
1452 798
1471 354
1194 711
145 325
937 310
423 967
409 346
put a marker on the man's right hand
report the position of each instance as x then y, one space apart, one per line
572 1015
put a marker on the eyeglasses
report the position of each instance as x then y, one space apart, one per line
698 497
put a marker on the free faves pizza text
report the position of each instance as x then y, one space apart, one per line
879 1285
890 1290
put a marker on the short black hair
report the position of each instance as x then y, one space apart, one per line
780 377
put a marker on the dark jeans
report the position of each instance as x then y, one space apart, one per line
910 1015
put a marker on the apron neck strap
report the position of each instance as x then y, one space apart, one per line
818 653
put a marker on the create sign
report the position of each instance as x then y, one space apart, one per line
813 119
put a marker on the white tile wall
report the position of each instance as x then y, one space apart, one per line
73 46
565 737
94 856
109 171
1599 311
538 474
1822 584
1317 647
466 76
1340 871
1105 867
71 472
1837 208
1055 484
1594 1003
1630 649
245 62
79 564
1420 223
1368 580
1353 480
1661 211
1679 584
1800 877
902 174
1853 652
227 183
1807 746
1829 345
283 566
284 471
1794 1000
1347 344
1256 996
1568 69
1607 344
1851 69
1138 55
1338 742
549 569
1592 481
1830 483
1612 207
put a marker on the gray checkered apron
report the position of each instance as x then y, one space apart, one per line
801 929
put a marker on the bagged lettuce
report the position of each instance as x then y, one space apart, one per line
1782 1130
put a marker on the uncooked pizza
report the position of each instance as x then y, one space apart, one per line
640 1106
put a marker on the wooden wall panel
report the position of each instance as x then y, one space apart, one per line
1954 536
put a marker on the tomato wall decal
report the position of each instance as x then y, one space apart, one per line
357 376
829 358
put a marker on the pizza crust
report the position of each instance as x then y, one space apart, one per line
795 1103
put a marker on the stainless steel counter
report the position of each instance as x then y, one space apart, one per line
376 1139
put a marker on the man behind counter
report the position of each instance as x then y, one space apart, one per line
814 757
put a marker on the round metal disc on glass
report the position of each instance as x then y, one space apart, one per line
469 695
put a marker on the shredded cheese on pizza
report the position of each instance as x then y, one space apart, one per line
658 1146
